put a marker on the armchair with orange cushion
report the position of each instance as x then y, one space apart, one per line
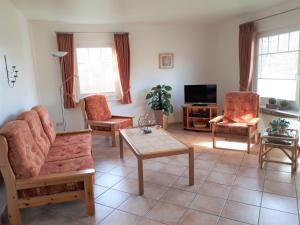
98 117
240 119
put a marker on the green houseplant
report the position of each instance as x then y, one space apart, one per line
277 127
284 104
272 103
159 99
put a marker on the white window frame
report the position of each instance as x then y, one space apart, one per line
264 100
92 43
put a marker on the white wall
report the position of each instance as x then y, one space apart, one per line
226 69
15 44
189 43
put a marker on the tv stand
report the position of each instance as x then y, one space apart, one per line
200 104
197 116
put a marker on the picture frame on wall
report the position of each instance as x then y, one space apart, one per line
166 60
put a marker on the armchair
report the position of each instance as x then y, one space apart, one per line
98 117
240 118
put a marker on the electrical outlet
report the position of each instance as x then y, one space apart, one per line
60 124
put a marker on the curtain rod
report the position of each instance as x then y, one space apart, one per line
276 14
92 32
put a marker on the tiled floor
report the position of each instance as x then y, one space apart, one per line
229 189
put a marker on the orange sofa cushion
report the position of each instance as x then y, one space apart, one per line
72 139
240 107
37 131
96 108
25 156
46 122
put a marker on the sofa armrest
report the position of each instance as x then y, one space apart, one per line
125 117
101 123
216 119
53 179
253 122
74 132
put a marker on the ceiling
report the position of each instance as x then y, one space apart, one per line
131 11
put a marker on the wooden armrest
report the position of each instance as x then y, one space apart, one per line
101 123
217 119
253 122
74 132
128 117
53 179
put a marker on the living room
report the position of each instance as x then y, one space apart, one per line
178 44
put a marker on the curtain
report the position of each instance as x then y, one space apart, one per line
246 55
123 57
65 43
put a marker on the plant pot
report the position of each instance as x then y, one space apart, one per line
161 119
271 106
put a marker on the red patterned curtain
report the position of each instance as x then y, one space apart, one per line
65 43
123 57
246 55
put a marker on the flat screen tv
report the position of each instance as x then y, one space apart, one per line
200 94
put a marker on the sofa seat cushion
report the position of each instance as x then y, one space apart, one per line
37 131
63 166
233 128
121 123
72 139
46 122
96 108
66 152
25 156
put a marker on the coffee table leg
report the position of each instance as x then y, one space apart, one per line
141 176
121 146
191 167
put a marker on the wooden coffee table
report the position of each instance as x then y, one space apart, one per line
159 143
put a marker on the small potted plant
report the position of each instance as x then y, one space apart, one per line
278 127
284 104
272 103
160 97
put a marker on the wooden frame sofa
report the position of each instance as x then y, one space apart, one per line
42 167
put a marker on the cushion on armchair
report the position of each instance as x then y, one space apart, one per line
37 131
46 122
96 108
233 128
121 123
240 107
25 156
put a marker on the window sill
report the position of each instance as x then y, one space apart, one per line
290 113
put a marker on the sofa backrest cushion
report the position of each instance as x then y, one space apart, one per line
24 155
46 122
241 107
37 131
96 108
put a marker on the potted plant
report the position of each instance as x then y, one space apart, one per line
278 127
284 104
272 103
160 97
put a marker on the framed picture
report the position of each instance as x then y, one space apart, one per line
166 60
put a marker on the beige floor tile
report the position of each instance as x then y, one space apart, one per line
192 217
166 213
122 170
274 217
182 183
256 184
128 185
204 164
225 168
224 221
160 178
221 178
281 203
45 219
278 176
178 197
112 198
120 218
280 188
245 196
98 190
105 166
208 204
241 212
101 212
107 180
171 169
251 172
215 190
138 205
149 222
154 191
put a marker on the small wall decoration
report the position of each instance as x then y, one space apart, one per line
11 75
166 60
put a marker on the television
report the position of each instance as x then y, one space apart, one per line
200 94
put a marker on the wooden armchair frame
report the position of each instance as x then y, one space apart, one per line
13 185
112 132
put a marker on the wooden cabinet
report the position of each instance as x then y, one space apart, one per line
198 117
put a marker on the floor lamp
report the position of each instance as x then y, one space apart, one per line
61 55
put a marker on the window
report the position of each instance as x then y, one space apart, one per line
97 71
278 66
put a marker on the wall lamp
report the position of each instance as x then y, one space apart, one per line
11 74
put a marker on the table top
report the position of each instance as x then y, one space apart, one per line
288 140
159 141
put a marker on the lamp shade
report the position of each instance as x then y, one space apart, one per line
59 54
